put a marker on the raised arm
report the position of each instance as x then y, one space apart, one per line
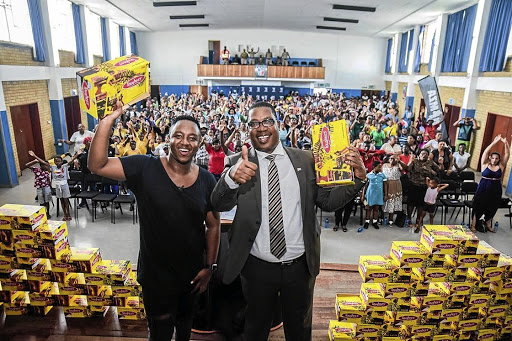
485 155
31 163
41 161
99 162
441 187
475 125
506 154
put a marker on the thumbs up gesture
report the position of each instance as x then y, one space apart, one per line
244 169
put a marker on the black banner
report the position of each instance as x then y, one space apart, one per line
432 99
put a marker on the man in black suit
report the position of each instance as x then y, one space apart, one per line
275 236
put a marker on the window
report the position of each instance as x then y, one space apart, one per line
115 48
426 41
93 26
393 53
15 23
62 27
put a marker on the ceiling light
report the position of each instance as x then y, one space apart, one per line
174 3
194 25
353 21
194 16
354 8
331 28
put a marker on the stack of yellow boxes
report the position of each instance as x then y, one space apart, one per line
448 286
39 270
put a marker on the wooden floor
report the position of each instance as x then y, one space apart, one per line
333 278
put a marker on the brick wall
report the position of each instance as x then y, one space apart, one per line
17 54
67 59
400 100
424 69
97 59
67 85
489 102
27 92
508 64
457 94
387 85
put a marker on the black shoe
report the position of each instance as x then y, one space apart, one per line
376 226
366 225
417 230
49 216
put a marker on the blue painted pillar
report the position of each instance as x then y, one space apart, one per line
409 101
60 130
8 174
394 96
468 112
91 122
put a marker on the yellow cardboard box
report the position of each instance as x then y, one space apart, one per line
131 313
423 330
342 330
451 315
52 231
100 301
330 144
486 334
435 260
419 288
397 290
125 78
501 287
367 330
406 318
463 261
6 263
469 325
449 239
28 251
77 311
13 310
489 256
443 337
409 253
497 311
372 296
39 310
348 308
114 271
478 300
23 217
85 259
26 237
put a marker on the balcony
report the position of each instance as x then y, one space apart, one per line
214 71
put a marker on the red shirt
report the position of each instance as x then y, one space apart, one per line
405 159
431 131
370 156
216 161
42 177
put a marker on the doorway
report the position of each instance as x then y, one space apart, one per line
213 51
73 115
450 117
27 132
496 124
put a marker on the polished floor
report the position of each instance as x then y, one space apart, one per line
120 240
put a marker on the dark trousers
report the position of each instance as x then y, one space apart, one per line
342 215
168 311
262 282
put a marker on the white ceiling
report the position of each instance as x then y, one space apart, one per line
390 17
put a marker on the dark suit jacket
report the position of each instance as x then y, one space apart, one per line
247 220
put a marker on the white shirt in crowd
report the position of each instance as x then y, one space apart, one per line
78 140
460 160
431 144
291 208
388 149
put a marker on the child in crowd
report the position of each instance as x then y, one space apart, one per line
374 194
42 183
60 176
433 189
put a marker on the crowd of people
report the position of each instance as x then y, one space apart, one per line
211 154
251 57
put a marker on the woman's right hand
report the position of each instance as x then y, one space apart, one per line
497 138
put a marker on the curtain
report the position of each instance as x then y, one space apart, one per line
496 37
104 40
79 38
402 63
417 58
122 41
34 9
133 43
388 56
459 35
432 51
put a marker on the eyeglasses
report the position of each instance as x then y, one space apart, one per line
268 122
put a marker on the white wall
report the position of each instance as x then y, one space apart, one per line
351 62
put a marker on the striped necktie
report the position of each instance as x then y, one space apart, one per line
275 213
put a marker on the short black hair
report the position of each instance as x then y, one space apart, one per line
264 105
187 118
435 179
376 163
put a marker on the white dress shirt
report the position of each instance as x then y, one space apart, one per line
291 207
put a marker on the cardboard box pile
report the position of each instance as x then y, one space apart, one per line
39 270
330 143
447 286
125 79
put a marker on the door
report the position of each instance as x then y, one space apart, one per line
214 51
496 124
27 132
449 119
73 115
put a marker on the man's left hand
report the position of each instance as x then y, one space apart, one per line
200 282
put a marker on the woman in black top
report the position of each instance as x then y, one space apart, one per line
443 157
